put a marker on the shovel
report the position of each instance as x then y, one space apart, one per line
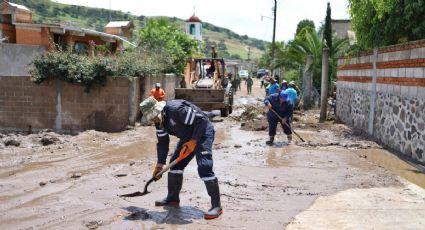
284 123
183 154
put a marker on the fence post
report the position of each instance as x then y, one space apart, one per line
58 119
133 99
373 92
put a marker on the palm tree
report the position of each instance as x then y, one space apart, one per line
308 42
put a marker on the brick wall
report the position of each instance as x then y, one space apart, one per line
9 32
22 104
67 108
391 108
29 36
23 16
114 30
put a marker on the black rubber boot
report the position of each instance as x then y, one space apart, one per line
214 192
289 137
270 142
175 182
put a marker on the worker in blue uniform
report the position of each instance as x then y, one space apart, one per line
191 125
279 102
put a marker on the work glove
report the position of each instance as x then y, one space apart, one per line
284 120
190 146
158 168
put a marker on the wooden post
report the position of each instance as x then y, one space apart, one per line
325 84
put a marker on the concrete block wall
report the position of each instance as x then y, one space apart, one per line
398 117
67 108
23 105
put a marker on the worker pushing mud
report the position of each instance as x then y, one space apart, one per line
186 121
280 111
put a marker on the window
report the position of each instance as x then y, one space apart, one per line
192 29
81 48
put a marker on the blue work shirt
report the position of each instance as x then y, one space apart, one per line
182 119
284 109
273 88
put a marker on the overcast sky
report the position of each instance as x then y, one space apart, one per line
240 16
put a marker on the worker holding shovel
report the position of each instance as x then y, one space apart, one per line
186 121
280 111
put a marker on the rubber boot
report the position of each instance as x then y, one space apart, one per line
289 137
175 182
270 142
214 192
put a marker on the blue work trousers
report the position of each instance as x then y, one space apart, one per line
203 153
274 120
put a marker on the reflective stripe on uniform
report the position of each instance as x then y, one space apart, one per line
161 133
189 112
193 117
208 178
176 171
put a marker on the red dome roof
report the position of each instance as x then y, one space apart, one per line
194 18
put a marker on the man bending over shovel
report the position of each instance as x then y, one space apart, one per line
280 111
186 121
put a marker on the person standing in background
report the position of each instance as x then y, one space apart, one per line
157 92
249 83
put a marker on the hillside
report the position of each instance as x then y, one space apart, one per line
229 43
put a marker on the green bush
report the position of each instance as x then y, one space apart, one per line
70 67
91 71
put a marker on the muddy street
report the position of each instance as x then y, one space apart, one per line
334 180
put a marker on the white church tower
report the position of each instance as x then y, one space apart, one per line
194 27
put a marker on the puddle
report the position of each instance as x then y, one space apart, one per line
392 163
170 215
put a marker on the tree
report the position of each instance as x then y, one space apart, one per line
303 24
159 34
327 34
294 55
386 22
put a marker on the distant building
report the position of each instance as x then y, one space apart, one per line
343 29
120 28
194 27
16 26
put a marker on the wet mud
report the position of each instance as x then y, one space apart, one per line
74 182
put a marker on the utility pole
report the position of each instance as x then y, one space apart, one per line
249 52
274 34
274 28
110 19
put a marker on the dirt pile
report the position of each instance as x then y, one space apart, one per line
252 118
42 138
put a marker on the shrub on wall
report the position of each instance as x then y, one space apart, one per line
142 62
91 71
70 67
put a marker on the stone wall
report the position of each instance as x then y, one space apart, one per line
387 101
67 108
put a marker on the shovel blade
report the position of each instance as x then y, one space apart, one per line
134 194
138 193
